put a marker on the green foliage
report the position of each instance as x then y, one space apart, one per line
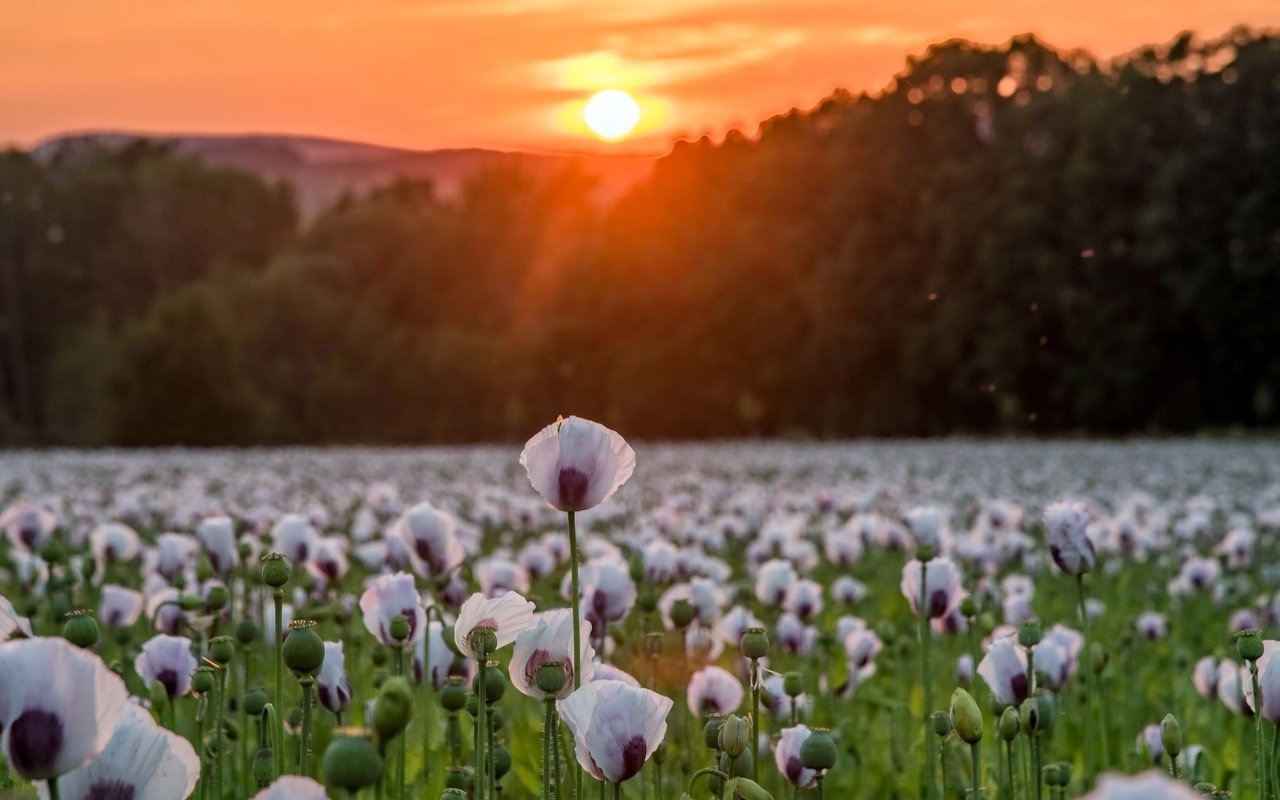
1006 240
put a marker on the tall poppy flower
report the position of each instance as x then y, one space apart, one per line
615 727
576 464
388 597
550 640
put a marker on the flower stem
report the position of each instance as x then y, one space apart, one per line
304 757
976 755
1090 688
547 738
1006 777
1257 718
930 784
482 727
278 596
576 599
52 783
217 731
755 717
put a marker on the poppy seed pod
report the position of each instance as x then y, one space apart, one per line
1030 716
221 649
399 627
275 570
190 602
217 598
247 632
81 629
1030 633
940 722
818 751
793 684
255 701
393 708
453 695
755 643
551 678
501 760
966 717
711 731
1249 645
202 682
351 763
303 649
682 614
459 779
735 735
494 685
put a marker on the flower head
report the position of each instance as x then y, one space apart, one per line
550 640
167 660
1004 668
388 597
332 687
787 756
507 616
293 787
576 464
616 727
714 690
1066 526
942 590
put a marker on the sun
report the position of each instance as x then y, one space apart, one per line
611 114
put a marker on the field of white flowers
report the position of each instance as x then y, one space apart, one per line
859 620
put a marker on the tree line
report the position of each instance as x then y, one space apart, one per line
1008 239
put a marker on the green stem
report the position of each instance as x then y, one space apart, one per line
52 783
1257 718
455 740
546 750
205 777
217 731
575 598
1086 664
755 717
1036 765
1006 776
304 757
930 783
278 595
976 755
1275 758
482 725
617 791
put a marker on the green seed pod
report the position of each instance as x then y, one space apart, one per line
793 684
483 641
648 601
1171 735
735 735
494 685
393 709
203 570
1249 645
551 677
264 771
453 695
940 722
711 732
351 763
682 614
190 602
459 779
755 643
501 760
453 794
275 570
217 598
497 718
1030 716
1030 633
247 632
924 552
399 628
966 717
222 649
1048 704
660 752
255 700
969 607
202 682
1205 788
303 648
473 706
1064 773
1010 724
81 629
818 752
245 549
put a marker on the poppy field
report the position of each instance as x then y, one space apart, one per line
1010 621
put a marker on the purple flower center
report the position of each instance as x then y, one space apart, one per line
1019 686
110 790
938 603
35 740
633 754
168 678
573 484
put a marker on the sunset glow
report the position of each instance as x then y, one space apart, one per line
611 114
512 74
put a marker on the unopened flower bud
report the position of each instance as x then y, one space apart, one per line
392 709
818 751
793 684
1171 735
81 629
275 570
1030 716
966 717
264 770
682 614
1010 724
940 722
1030 633
747 789
969 607
755 643
711 732
735 735
159 695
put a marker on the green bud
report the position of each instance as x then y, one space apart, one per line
501 759
742 766
1010 724
190 602
966 717
453 794
483 642
969 607
247 632
159 695
303 648
392 709
81 629
275 570
940 722
255 700
682 614
1030 716
711 732
818 752
1030 633
217 598
793 684
459 779
222 649
202 682
735 735
351 763
453 695
747 789
1171 735
245 549
755 643
551 677
648 601
451 641
399 628
494 685
924 552
1249 645
264 771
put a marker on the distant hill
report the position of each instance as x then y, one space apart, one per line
321 169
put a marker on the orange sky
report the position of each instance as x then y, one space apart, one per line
504 73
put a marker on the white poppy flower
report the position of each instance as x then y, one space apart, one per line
507 616
615 727
167 659
1004 668
714 690
786 755
550 640
292 787
388 597
332 687
120 606
576 464
1066 527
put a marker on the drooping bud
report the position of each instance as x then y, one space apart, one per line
966 717
264 771
747 789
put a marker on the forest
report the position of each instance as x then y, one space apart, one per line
1012 240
